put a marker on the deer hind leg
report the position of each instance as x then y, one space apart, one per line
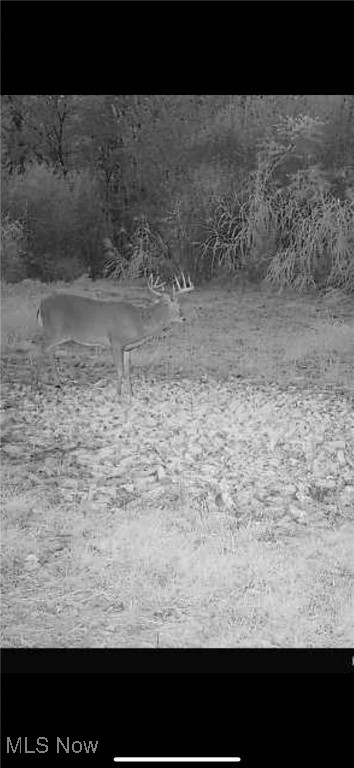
54 366
46 351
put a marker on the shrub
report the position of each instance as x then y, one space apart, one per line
61 218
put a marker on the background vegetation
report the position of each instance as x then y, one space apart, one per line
246 186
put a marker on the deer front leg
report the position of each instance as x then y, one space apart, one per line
117 354
126 369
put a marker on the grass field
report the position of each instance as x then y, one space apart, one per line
214 510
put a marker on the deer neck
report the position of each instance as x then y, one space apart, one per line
157 317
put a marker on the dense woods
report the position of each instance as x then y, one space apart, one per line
258 186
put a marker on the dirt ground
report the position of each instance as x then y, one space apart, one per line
216 509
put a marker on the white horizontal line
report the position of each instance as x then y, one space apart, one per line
177 759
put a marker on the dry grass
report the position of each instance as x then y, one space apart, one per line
179 576
101 549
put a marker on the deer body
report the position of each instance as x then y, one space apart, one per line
119 325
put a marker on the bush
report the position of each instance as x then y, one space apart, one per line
13 268
288 227
61 218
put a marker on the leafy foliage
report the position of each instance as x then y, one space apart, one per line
59 219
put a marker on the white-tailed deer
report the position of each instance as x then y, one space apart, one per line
118 325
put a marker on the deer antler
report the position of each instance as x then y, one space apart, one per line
184 288
153 285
